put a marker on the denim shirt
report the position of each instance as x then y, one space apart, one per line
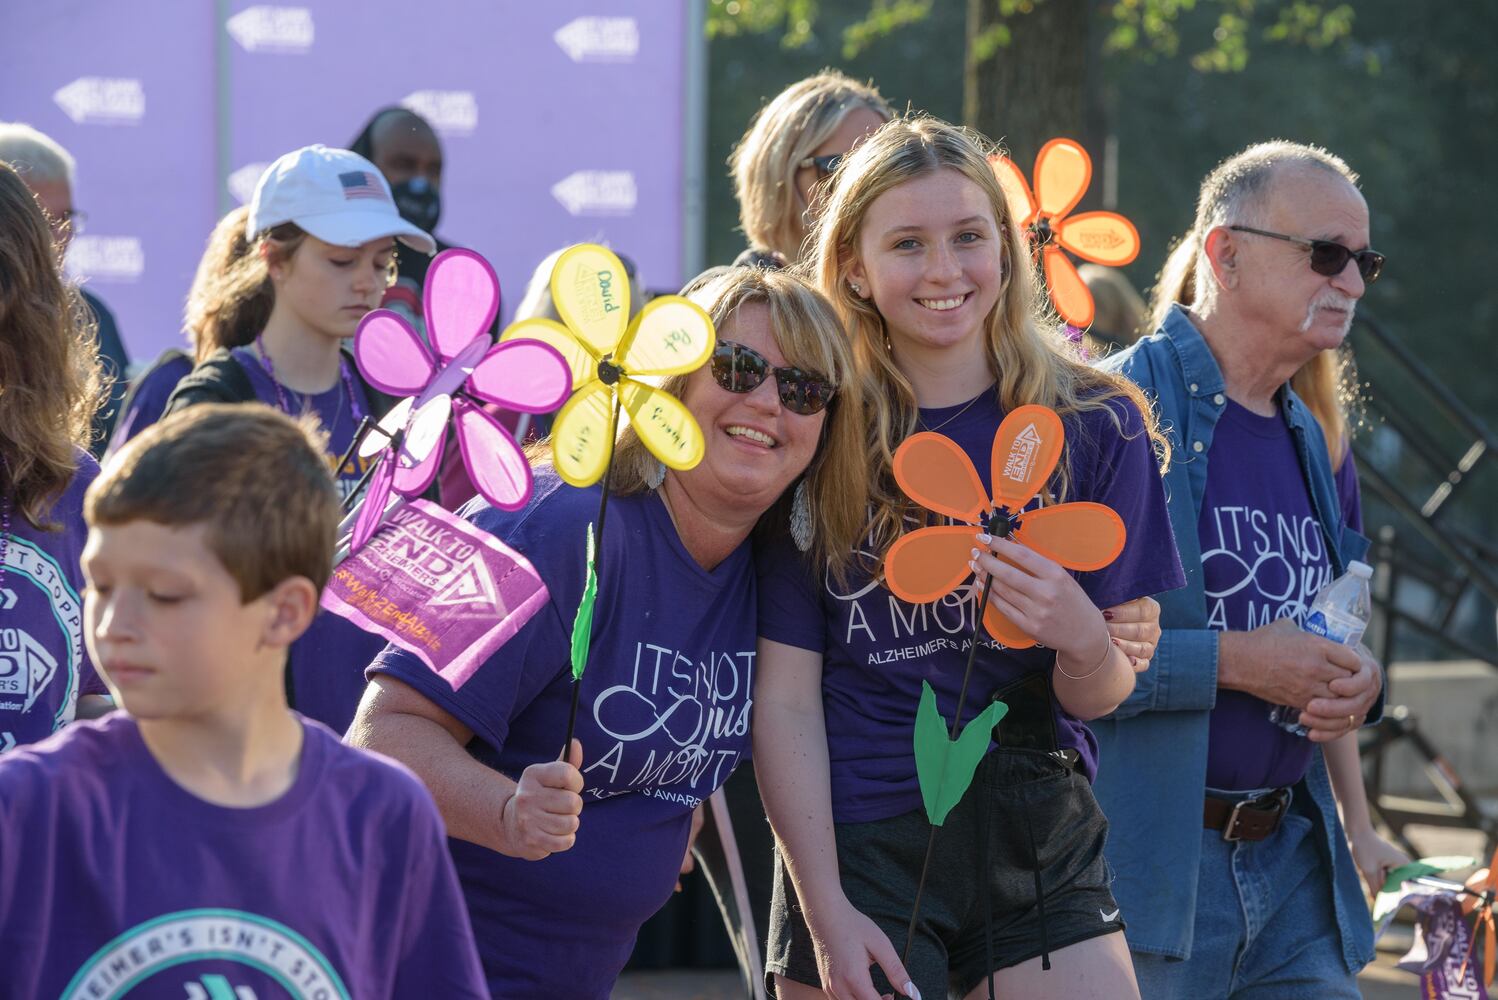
1153 749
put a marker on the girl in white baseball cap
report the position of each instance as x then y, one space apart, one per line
322 230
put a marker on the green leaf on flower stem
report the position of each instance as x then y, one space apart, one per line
1425 866
945 768
582 625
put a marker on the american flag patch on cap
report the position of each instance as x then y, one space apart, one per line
361 184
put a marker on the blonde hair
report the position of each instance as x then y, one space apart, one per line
1027 355
51 383
808 333
227 304
781 135
1236 193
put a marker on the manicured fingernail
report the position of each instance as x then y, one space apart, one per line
973 553
1108 616
910 991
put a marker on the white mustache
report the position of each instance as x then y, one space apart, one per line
1329 300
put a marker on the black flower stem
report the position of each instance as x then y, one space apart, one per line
967 675
603 509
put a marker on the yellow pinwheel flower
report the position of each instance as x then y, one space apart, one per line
609 355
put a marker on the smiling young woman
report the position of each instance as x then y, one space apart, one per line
917 250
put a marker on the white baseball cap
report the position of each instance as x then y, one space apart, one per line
334 194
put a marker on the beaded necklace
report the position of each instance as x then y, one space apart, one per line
285 407
5 508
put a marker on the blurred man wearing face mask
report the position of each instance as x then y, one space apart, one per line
406 149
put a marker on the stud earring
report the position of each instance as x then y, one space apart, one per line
857 288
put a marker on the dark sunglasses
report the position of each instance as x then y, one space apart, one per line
741 369
1329 258
823 165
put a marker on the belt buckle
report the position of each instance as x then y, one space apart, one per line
1230 828
1280 797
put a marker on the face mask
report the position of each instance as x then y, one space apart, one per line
418 202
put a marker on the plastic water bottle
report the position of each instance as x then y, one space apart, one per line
1340 612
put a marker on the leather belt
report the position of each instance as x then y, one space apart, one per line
1246 819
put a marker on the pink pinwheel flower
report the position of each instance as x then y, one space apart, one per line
459 302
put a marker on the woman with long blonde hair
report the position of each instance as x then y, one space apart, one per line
561 867
918 251
50 388
782 164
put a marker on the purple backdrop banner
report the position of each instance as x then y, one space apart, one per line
560 122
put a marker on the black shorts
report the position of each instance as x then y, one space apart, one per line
1026 791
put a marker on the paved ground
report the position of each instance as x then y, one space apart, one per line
1380 981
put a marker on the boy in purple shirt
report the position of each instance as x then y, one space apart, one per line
207 841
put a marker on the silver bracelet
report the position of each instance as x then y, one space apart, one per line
1107 655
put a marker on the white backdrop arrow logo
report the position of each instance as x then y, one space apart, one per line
265 28
7 598
102 100
600 39
7 741
106 258
597 192
450 112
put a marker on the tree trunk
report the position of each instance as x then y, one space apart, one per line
1043 83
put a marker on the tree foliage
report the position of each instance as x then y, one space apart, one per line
1147 28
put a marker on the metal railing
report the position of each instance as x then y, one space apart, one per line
1421 551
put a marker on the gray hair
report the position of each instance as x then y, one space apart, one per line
36 156
1235 193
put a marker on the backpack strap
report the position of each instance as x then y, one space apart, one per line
219 378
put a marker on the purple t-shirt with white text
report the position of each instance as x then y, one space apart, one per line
1264 557
664 720
148 399
44 663
327 663
115 881
878 649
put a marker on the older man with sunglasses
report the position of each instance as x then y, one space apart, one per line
1234 873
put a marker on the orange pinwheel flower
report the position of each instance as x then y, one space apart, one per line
1062 172
1483 905
929 563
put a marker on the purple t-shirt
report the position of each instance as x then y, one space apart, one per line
115 881
664 720
327 663
44 664
877 649
1264 557
147 400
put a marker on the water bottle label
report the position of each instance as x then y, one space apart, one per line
1346 633
1317 623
